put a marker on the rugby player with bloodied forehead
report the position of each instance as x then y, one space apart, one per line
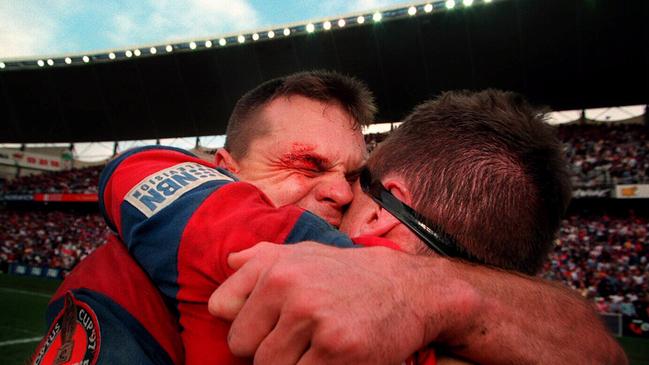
296 141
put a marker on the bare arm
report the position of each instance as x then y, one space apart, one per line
315 304
517 319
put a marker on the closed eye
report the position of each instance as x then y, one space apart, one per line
352 176
306 162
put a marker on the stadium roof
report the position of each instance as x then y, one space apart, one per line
567 54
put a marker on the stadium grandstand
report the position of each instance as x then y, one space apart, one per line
604 256
67 116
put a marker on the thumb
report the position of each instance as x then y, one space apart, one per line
228 299
238 259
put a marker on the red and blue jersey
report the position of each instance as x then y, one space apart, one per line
180 217
107 311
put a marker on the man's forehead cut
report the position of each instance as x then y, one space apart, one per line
303 155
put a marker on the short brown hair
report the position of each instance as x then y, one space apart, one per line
326 86
486 168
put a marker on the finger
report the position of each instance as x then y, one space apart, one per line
255 321
238 259
228 299
286 344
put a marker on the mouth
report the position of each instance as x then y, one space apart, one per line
334 222
329 214
332 218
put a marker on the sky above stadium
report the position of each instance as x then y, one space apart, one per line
52 27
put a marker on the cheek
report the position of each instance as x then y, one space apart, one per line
350 224
291 190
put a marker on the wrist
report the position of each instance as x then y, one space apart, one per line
445 304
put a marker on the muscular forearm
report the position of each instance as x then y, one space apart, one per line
501 318
378 306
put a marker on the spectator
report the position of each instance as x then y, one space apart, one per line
83 180
605 258
54 239
604 155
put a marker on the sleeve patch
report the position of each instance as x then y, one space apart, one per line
158 190
73 338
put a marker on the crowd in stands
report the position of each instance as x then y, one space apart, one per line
84 180
373 139
605 155
606 259
56 239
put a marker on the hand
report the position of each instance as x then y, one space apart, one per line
310 303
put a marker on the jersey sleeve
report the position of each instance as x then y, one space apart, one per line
108 312
180 217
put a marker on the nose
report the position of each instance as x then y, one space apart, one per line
335 191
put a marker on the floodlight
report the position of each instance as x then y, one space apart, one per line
377 17
241 39
153 50
360 20
169 48
271 34
412 10
192 45
222 41
326 25
137 53
111 56
2 65
287 32
128 53
310 28
467 2
255 37
341 23
40 63
428 8
450 4
86 59
50 62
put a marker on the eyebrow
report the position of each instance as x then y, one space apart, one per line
356 172
290 158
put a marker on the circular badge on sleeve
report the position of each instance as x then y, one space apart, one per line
73 338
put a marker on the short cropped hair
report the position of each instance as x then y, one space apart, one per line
486 168
325 86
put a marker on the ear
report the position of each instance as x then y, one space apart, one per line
224 159
398 188
382 222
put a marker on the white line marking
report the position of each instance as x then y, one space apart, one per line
22 340
19 330
26 292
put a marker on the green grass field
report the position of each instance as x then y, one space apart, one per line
22 320
22 315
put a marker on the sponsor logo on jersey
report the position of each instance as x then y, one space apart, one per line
73 338
158 190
